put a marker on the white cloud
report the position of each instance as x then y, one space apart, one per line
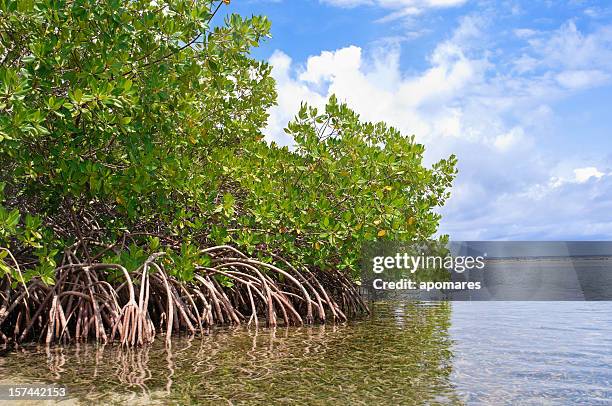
290 94
510 139
345 61
597 12
524 32
489 115
567 47
421 104
578 175
584 174
404 12
395 3
580 79
399 8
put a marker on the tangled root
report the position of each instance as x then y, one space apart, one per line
87 304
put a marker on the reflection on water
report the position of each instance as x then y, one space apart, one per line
400 355
481 353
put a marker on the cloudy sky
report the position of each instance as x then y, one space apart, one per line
520 91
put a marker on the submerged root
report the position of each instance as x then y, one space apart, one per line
105 302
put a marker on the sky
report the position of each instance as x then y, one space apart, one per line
520 91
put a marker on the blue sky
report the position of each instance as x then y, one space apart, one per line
521 91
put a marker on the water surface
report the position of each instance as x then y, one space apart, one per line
532 353
405 353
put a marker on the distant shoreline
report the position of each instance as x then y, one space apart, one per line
551 258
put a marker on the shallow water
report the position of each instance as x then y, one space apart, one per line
405 353
535 353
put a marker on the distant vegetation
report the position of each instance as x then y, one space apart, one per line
138 193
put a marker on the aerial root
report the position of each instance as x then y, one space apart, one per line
105 302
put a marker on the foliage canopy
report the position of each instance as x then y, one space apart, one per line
136 126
